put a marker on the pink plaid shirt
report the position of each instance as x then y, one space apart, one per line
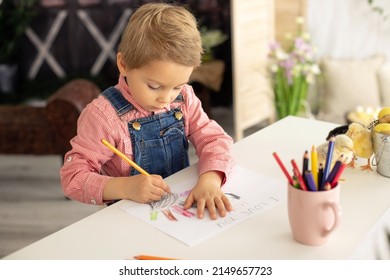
89 164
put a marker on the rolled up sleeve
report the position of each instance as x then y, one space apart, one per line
81 174
212 144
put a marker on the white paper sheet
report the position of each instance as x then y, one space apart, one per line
250 193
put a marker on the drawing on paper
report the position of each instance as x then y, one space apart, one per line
166 200
171 203
163 205
250 193
169 215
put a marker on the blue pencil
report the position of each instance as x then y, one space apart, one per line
328 161
311 185
334 171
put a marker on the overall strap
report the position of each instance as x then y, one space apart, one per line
179 98
120 104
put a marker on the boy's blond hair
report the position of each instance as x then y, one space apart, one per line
159 31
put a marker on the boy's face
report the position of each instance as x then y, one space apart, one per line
156 84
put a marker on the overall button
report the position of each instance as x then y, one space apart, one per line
178 115
136 125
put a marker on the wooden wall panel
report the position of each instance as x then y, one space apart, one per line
286 12
252 31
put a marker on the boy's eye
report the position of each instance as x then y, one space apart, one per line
153 87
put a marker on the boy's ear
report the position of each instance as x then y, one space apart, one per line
120 63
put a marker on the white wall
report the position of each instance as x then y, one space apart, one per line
349 28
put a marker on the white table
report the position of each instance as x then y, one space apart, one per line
113 234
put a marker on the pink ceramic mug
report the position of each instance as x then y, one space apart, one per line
313 215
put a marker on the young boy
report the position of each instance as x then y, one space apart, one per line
149 116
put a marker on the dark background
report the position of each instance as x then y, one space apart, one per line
76 50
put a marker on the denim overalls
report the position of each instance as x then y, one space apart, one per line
159 142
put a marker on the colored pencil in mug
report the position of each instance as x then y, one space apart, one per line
289 178
328 161
338 174
334 171
320 176
310 181
299 175
314 165
305 163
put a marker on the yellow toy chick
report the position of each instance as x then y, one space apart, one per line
384 115
343 146
362 143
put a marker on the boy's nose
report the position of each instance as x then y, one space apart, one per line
165 98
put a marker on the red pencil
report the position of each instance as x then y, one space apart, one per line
290 180
299 175
338 174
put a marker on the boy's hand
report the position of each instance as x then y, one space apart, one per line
139 188
146 189
208 194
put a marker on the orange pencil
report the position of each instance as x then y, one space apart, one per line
125 158
146 257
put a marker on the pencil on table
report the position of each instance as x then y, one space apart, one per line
125 158
147 257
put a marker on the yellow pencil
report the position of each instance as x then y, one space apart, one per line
125 158
314 165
